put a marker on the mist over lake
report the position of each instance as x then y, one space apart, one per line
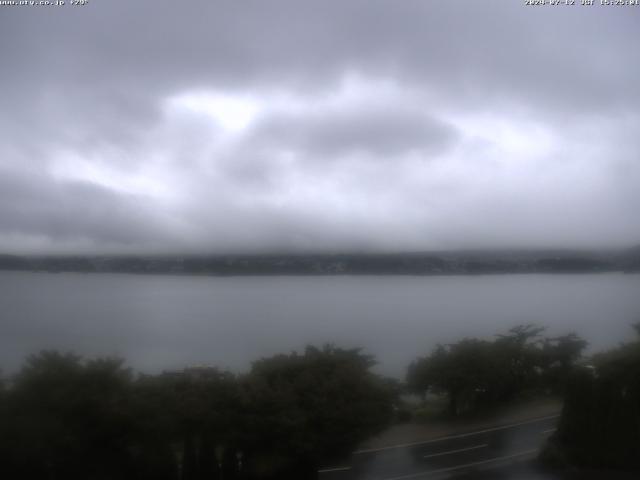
168 322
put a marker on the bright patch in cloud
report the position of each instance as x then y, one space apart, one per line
233 113
519 138
69 166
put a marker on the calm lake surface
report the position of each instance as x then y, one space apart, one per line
168 322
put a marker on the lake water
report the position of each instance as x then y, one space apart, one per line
167 322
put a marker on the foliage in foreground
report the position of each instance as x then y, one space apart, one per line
65 418
476 374
600 422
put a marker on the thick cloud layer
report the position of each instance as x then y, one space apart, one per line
251 126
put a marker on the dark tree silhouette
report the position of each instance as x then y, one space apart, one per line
65 418
475 374
600 422
312 407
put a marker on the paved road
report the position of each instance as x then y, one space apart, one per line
504 452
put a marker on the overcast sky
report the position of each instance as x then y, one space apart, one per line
233 126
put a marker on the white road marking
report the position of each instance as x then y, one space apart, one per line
550 430
451 437
460 467
475 447
336 469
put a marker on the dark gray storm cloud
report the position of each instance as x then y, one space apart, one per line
39 210
153 125
329 135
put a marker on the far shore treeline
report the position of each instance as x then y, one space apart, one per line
419 263
64 417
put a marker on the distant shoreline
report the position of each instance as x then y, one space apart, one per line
416 264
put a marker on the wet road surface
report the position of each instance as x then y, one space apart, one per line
503 452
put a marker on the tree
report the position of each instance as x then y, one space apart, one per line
474 373
600 422
519 352
559 355
204 404
311 407
68 418
466 371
